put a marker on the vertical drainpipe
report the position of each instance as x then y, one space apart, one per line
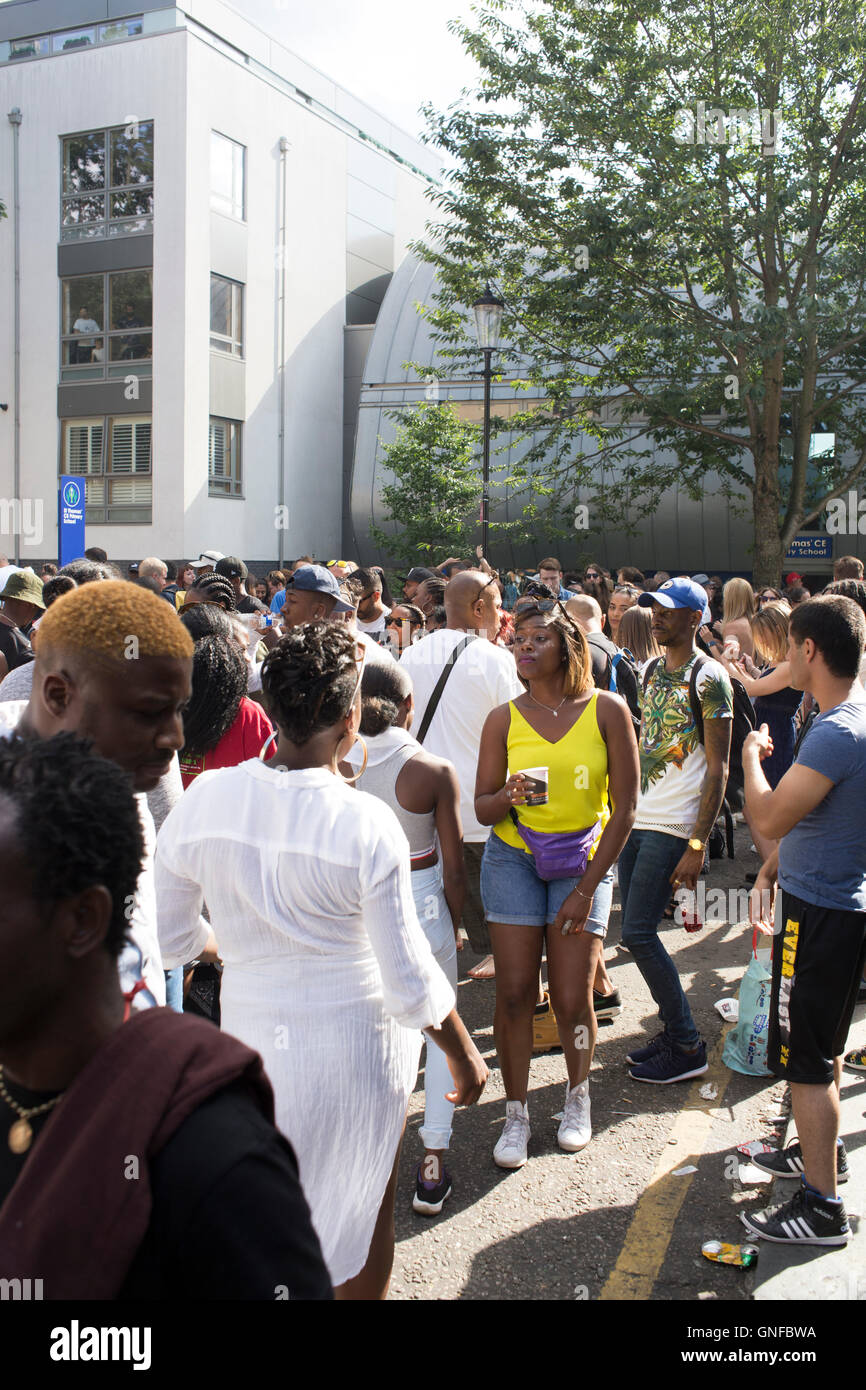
281 480
15 122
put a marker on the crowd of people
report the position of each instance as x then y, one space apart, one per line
247 825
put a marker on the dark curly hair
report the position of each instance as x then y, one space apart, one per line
219 683
308 679
847 588
384 688
217 588
54 588
77 822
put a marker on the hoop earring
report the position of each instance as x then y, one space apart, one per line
349 780
267 745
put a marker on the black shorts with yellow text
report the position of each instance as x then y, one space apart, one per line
818 960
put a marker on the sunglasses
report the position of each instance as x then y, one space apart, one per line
592 574
491 580
768 598
532 608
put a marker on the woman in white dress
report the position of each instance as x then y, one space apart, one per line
327 972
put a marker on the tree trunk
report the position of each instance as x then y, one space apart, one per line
768 544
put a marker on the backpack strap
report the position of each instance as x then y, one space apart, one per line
433 702
648 672
697 712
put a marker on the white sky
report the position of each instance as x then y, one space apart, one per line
394 54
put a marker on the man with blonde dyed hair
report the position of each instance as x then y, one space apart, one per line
114 665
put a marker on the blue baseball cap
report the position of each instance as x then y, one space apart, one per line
315 579
679 593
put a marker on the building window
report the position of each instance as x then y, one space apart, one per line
68 40
113 456
72 38
108 182
227 161
224 478
120 29
106 325
226 316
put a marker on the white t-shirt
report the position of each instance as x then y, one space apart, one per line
377 625
140 958
483 677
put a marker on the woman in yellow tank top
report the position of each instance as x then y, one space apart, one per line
578 741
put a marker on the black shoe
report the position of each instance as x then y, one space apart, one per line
806 1220
643 1054
430 1198
750 878
788 1163
606 1005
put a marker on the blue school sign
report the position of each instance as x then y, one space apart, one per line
70 520
810 548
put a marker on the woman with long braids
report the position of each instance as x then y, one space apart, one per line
222 727
578 746
423 793
327 972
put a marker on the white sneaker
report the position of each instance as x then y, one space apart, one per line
510 1152
575 1130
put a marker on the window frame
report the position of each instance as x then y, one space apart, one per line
105 227
217 200
71 373
234 477
234 341
100 514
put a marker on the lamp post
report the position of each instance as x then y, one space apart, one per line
488 320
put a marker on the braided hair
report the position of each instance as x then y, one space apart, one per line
385 687
217 588
206 620
219 683
308 679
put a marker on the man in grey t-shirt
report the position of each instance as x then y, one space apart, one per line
815 813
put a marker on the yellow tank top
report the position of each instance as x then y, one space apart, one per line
577 776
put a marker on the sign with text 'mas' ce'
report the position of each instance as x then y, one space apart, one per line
70 519
810 548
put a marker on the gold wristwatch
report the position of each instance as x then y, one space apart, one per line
696 845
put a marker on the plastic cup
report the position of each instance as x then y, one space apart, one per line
536 785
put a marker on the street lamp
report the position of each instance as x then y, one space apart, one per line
488 320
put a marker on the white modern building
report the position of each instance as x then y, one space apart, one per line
200 230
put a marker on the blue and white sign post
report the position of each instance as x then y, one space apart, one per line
70 519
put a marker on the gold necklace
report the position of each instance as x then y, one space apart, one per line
21 1133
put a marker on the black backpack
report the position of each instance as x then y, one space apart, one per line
615 672
743 723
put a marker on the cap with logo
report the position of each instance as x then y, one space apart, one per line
206 560
231 567
26 587
679 593
702 579
315 579
419 574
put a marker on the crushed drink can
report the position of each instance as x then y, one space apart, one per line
723 1254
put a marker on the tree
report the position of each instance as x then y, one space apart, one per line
436 490
669 195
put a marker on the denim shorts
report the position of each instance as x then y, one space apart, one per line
515 895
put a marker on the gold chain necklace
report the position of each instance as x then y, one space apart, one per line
21 1133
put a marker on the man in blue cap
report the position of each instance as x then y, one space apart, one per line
683 774
312 593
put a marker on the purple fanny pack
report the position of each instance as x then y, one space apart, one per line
558 855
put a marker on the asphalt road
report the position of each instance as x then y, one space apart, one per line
613 1221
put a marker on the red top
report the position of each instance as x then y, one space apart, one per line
244 740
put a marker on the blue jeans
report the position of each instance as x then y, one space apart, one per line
645 867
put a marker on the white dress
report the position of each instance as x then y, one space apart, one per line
327 973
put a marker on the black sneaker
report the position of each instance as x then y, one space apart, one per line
670 1064
788 1163
806 1220
643 1054
430 1197
606 1005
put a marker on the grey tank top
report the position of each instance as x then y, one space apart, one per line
380 779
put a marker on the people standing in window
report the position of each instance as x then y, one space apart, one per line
81 351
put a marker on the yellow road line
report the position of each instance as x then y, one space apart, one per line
652 1225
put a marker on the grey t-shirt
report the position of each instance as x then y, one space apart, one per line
823 859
